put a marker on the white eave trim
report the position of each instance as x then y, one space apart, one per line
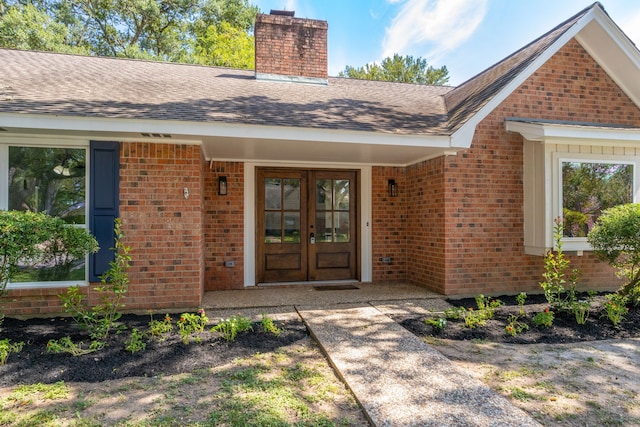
579 133
203 130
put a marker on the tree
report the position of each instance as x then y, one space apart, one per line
213 47
167 30
27 27
404 69
615 240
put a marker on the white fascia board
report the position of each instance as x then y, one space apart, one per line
464 135
551 133
201 130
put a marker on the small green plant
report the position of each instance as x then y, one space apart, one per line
438 324
558 289
269 326
521 298
190 325
616 308
7 347
100 320
454 313
231 327
581 310
158 328
136 342
66 345
515 326
543 319
474 318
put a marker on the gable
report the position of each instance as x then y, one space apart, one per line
572 86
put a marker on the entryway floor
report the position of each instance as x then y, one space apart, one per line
397 378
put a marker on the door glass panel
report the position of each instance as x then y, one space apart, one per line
342 227
272 193
273 227
324 227
341 190
292 194
324 194
292 227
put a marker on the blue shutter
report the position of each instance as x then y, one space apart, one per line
104 202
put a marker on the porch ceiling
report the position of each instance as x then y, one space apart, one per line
282 150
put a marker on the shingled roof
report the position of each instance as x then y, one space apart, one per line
69 85
80 86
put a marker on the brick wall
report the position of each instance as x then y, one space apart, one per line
484 238
291 46
224 226
389 219
162 227
426 224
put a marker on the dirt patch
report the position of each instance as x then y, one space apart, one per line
257 379
565 375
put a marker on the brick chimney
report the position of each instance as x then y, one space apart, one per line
291 49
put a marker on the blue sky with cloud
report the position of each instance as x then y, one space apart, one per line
465 35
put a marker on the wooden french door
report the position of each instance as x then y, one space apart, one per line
306 225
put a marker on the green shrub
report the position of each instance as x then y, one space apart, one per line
136 342
190 325
269 326
559 290
614 238
231 327
29 238
616 308
543 319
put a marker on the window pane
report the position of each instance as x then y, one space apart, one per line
341 194
324 193
272 193
49 180
74 270
292 194
342 227
324 227
273 227
590 188
292 227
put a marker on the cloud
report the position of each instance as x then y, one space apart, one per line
434 26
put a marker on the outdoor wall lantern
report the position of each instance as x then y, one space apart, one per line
222 185
393 188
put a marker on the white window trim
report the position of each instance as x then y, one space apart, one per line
21 141
575 244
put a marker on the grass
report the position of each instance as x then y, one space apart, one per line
291 387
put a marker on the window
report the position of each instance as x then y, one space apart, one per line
588 188
53 181
574 171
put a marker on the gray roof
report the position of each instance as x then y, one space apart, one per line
70 85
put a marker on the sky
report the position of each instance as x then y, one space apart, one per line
467 36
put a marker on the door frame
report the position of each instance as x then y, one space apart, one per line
366 244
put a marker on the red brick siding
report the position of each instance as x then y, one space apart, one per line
291 46
484 237
426 224
163 229
224 226
389 218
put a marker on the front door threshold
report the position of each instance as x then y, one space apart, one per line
310 283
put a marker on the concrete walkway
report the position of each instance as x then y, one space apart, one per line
397 378
401 381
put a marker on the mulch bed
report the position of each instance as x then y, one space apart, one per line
564 330
34 364
171 356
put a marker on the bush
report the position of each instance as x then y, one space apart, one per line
614 238
29 238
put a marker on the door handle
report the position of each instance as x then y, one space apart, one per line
312 239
